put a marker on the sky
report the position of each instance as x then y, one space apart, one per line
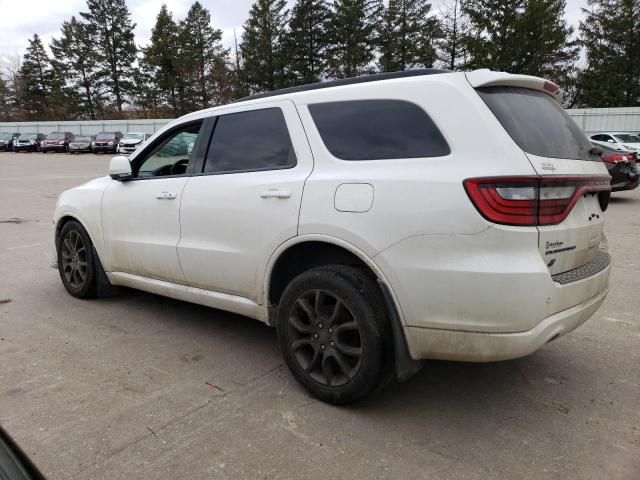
22 18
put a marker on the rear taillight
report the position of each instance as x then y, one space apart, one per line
530 201
617 158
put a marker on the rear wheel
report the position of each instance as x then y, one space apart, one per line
76 262
333 333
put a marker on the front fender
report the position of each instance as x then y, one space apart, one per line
84 204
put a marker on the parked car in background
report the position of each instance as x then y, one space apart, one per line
106 142
414 239
6 140
622 168
620 141
81 143
57 142
130 141
29 142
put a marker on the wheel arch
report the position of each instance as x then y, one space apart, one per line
289 261
327 250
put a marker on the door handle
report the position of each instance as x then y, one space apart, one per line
275 194
166 196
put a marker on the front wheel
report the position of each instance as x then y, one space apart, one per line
333 332
76 262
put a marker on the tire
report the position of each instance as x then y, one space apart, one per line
44 151
76 260
338 357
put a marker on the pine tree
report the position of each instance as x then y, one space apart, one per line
306 43
454 28
263 44
202 56
352 33
160 60
111 30
494 33
5 112
546 48
73 58
39 81
610 34
407 35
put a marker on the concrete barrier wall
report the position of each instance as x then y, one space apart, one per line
85 127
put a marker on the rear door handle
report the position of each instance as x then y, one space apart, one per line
166 196
275 194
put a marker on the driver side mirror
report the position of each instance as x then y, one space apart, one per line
120 168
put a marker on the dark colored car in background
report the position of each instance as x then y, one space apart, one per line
106 142
29 142
57 141
622 168
81 143
6 140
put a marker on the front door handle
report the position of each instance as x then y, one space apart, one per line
275 194
166 196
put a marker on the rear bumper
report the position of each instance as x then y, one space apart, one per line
429 343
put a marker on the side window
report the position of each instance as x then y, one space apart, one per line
377 130
250 141
171 155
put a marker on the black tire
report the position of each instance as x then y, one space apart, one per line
339 347
76 260
44 151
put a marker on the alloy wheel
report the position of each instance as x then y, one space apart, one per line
74 259
325 338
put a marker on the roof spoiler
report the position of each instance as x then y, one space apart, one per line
487 78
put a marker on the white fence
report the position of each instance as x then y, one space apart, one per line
89 127
591 120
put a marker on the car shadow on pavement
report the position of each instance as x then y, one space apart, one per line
496 389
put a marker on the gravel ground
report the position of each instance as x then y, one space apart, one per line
138 386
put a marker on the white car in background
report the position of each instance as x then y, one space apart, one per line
618 140
374 222
130 141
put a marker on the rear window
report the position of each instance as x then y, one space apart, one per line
537 123
377 130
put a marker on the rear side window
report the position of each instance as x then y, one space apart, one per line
537 123
377 130
250 141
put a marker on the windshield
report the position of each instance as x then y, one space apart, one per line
537 123
104 136
137 136
627 138
82 139
28 136
55 136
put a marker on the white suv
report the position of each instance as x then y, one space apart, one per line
375 222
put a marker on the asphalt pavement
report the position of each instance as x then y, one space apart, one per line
141 387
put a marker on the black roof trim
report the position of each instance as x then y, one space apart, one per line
345 81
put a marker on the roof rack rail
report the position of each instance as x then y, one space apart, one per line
345 81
